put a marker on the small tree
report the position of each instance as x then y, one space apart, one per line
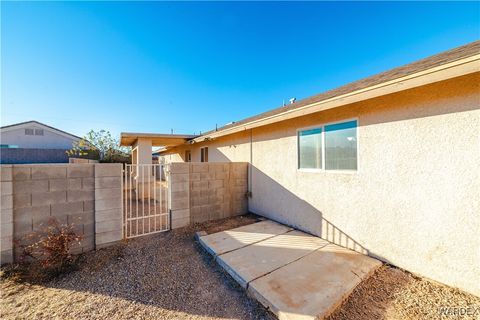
100 145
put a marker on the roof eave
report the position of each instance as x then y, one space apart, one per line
130 138
12 126
428 76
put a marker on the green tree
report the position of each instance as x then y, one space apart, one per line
102 146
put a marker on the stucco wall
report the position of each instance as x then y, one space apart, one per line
415 199
49 140
235 147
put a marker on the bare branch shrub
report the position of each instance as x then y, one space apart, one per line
49 249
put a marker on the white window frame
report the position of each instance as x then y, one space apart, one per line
322 126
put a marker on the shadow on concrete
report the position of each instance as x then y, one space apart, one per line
306 217
169 273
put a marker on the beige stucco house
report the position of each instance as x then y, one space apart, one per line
388 165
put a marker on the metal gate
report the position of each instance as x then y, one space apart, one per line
145 200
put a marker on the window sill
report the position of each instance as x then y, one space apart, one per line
327 171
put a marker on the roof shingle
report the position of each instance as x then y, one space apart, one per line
445 57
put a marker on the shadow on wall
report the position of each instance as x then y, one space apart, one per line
305 217
171 259
445 97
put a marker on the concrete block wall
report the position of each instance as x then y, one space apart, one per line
108 204
6 218
207 191
62 192
81 160
179 192
32 155
88 196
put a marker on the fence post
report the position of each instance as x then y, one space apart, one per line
108 204
179 194
6 220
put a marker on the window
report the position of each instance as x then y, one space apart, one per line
204 154
188 156
29 132
341 146
39 132
329 147
310 149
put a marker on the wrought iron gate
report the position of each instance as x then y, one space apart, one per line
145 200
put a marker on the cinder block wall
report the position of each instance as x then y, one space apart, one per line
179 187
108 204
6 217
81 160
85 195
207 191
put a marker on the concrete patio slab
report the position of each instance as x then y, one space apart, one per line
294 274
226 241
253 261
313 286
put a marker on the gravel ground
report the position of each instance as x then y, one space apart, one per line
162 276
391 293
168 276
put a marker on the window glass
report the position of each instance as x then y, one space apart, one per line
310 149
341 146
204 154
29 132
39 132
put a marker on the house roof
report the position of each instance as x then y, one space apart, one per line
158 139
460 56
11 126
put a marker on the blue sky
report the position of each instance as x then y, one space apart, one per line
157 66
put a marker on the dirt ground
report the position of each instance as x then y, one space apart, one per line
391 293
168 276
162 276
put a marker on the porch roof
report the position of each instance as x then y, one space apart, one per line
158 139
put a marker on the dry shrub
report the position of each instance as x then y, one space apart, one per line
48 252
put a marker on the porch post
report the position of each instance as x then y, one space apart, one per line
142 156
143 152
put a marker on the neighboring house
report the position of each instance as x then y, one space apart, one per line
392 161
34 142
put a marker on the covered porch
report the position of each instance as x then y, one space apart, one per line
142 144
146 192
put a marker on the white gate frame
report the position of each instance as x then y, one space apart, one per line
140 182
